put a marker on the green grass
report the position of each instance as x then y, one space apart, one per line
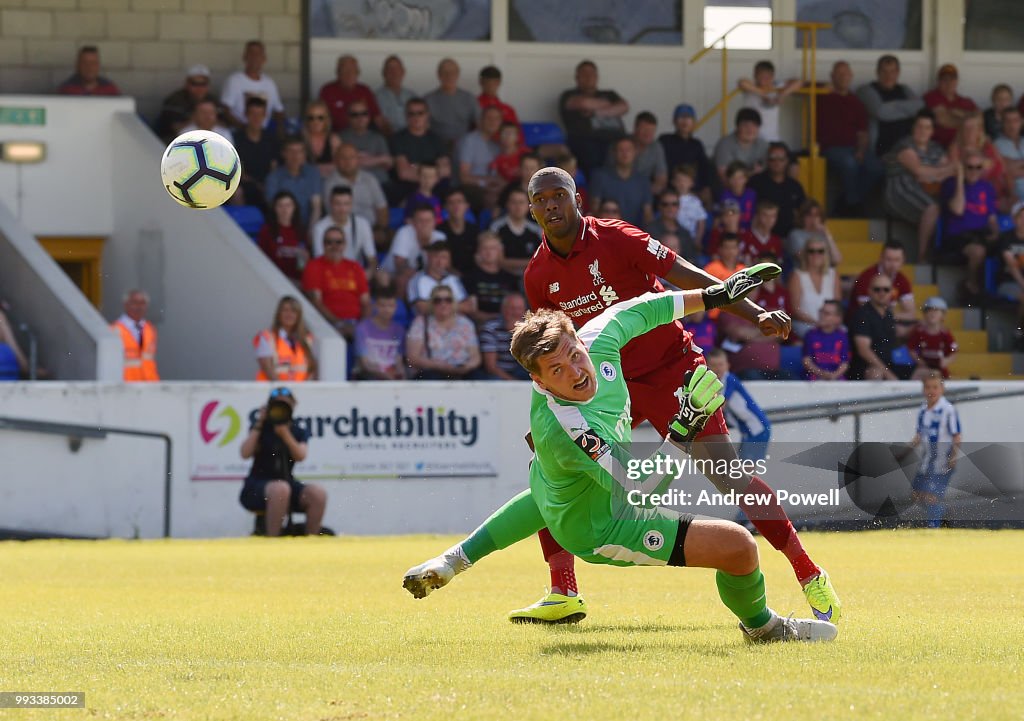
321 629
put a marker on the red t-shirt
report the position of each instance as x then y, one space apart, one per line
341 284
338 99
775 299
508 113
610 261
934 99
862 288
840 118
751 247
932 347
282 248
507 166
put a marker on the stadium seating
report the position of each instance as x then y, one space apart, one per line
543 134
248 217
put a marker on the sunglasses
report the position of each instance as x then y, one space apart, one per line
280 392
778 159
316 117
665 203
816 250
442 299
198 82
414 113
882 289
357 114
334 242
975 167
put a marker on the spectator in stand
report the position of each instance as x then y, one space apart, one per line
339 94
891 107
321 143
337 286
764 94
650 156
453 111
915 169
1010 147
442 345
283 238
1011 281
703 329
609 209
813 283
392 97
476 153
496 338
520 236
380 341
425 192
949 107
666 223
529 164
743 145
138 337
736 190
413 145
374 155
176 111
727 262
257 149
510 154
204 117
86 79
490 81
624 184
13 364
460 234
970 225
437 271
567 162
1002 98
253 82
592 118
874 335
760 239
487 283
691 214
775 184
810 222
284 351
406 255
931 346
889 264
971 138
359 244
752 356
300 178
826 354
843 137
381 282
727 223
772 294
367 195
683 149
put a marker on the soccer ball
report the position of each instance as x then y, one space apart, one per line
200 169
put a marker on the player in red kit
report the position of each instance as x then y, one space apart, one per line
586 264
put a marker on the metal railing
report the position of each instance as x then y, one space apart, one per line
77 433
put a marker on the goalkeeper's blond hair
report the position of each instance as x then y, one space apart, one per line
538 334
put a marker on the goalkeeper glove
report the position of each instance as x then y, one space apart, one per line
699 398
739 285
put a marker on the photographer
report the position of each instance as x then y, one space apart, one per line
275 443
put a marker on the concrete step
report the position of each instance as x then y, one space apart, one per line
982 365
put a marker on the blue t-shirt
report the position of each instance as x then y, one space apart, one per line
747 201
631 193
742 411
828 351
979 203
703 333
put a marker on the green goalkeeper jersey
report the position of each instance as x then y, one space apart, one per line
578 469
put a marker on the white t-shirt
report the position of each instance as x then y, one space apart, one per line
219 129
358 233
405 245
937 426
422 285
691 212
769 111
239 87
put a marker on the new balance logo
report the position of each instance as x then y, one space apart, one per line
608 294
656 249
553 288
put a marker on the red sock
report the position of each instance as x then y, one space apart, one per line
561 562
772 522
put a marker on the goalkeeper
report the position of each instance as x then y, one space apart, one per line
580 423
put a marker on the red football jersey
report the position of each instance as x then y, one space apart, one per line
611 261
932 347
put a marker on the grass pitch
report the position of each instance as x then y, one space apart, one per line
321 629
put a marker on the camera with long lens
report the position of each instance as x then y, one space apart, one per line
279 407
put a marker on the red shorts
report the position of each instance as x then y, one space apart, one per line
652 397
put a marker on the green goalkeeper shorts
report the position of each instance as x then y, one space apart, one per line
645 537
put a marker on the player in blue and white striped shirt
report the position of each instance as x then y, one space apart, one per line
938 431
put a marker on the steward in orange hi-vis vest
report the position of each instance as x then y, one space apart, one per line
290 361
139 349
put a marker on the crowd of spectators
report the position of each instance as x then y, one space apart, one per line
404 215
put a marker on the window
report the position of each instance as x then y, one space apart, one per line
400 20
864 24
993 25
606 22
721 15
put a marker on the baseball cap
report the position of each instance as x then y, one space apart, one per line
684 110
936 303
197 71
949 69
730 206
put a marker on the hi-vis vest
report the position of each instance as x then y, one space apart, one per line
289 364
139 362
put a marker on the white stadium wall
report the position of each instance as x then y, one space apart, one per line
394 458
